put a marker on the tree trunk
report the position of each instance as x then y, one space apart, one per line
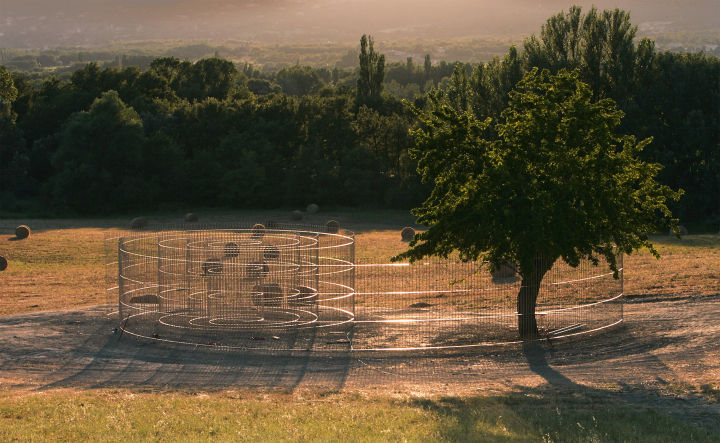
527 298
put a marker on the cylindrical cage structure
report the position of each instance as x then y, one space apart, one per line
300 287
220 283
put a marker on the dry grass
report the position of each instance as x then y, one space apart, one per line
688 267
61 265
52 269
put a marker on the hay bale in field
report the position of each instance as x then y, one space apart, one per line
191 217
407 234
256 269
271 252
138 223
3 263
296 215
683 231
212 266
22 231
147 298
267 294
232 250
502 271
333 226
312 208
258 231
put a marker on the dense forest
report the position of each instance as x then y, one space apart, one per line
164 133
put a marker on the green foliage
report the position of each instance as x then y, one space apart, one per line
263 87
197 106
671 97
558 182
299 80
676 101
243 187
372 70
98 159
599 44
8 91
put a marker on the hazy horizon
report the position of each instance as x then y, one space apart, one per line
41 23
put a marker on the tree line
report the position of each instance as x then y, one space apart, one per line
120 138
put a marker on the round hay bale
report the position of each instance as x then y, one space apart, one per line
191 217
333 226
683 231
502 271
296 215
271 252
146 298
232 250
256 269
22 231
258 231
212 266
268 294
138 223
407 234
312 208
3 263
271 224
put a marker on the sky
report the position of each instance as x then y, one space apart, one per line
38 23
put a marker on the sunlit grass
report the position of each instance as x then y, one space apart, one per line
251 416
61 265
687 267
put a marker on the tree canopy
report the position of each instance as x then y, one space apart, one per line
554 182
341 132
99 157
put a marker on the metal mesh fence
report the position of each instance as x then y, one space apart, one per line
298 287
449 303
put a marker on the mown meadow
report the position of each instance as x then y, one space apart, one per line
62 265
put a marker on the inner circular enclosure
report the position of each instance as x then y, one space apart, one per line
224 280
299 287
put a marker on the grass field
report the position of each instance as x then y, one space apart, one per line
61 265
328 417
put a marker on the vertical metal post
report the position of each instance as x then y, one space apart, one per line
622 286
316 273
160 279
186 298
351 283
120 279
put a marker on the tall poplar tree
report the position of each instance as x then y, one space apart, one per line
372 69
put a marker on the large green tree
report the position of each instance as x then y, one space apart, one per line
99 159
556 182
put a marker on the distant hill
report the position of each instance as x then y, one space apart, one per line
40 23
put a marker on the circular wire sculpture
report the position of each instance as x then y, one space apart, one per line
300 287
244 282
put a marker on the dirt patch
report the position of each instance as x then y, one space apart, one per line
665 355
